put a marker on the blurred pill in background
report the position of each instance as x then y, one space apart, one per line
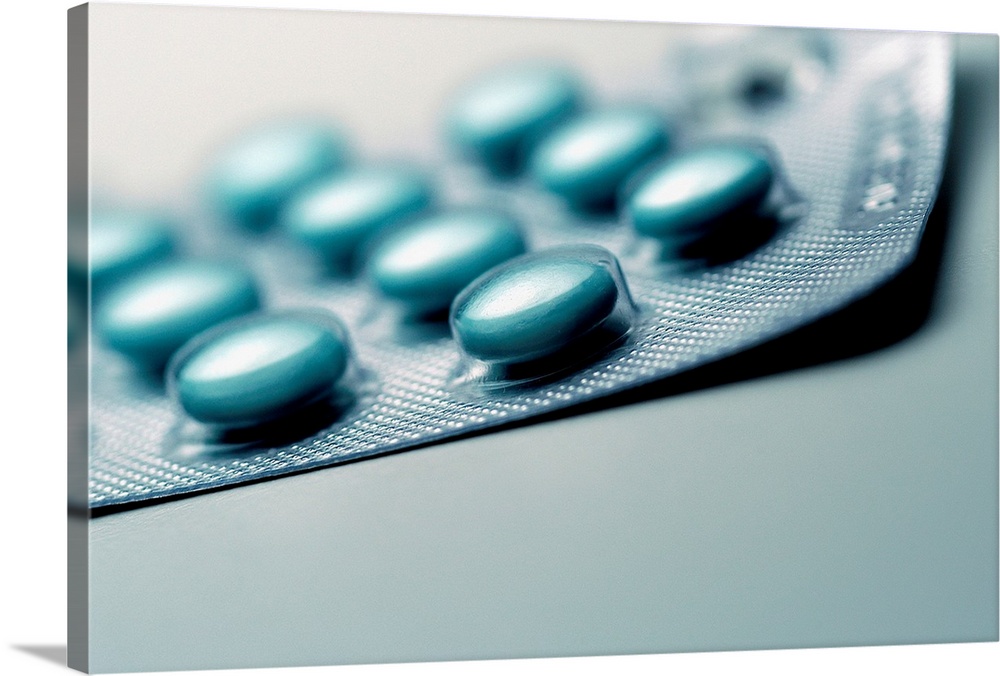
122 242
336 215
149 316
692 192
499 119
586 160
424 264
252 179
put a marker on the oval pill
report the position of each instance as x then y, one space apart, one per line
336 215
692 192
588 159
254 177
534 306
425 264
259 370
150 315
122 242
499 119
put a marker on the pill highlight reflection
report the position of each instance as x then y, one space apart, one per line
691 193
149 316
586 160
336 215
260 369
541 304
255 176
426 263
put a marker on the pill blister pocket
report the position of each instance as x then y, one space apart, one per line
858 142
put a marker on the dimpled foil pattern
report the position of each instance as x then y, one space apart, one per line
860 161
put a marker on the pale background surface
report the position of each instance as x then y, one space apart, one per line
168 84
849 503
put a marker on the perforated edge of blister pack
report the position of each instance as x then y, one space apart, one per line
863 156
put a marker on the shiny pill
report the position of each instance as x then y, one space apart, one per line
150 315
693 192
122 242
336 215
427 262
254 177
586 160
538 304
260 369
499 119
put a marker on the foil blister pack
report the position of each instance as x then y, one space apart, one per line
855 125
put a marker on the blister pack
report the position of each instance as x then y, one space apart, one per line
312 308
